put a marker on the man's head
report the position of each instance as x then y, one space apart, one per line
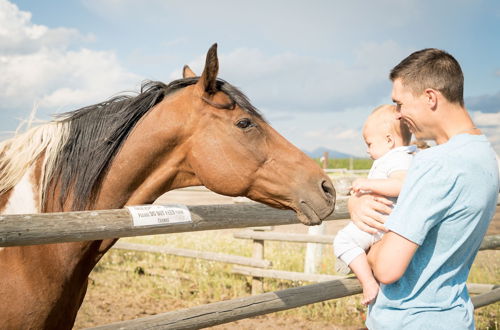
423 83
431 68
383 131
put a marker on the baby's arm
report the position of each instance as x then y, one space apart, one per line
390 187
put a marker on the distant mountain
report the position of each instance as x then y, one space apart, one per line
318 152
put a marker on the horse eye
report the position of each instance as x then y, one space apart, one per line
244 123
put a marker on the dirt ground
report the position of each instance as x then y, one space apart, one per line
201 196
106 303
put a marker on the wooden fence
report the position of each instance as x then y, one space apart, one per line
491 242
241 308
259 268
330 287
45 228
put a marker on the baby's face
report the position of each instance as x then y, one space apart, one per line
377 141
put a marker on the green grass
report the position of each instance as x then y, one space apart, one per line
157 280
357 163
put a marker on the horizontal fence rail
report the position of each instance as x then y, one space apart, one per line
284 237
472 288
241 308
284 274
45 228
490 242
212 256
486 298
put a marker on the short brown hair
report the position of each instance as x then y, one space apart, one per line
431 68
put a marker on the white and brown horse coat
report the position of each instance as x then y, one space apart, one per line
130 150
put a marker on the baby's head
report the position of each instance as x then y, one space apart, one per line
383 131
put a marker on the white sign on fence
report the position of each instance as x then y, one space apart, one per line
151 215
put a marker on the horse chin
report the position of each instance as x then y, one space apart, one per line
307 215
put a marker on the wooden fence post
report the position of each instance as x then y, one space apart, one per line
314 251
324 160
258 253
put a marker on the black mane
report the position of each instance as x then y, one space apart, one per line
97 132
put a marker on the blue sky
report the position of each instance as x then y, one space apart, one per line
314 68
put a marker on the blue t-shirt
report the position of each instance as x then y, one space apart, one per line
445 206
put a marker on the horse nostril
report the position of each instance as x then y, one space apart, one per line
328 189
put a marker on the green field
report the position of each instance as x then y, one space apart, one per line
346 163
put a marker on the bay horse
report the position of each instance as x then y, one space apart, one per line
129 150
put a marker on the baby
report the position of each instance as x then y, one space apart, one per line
387 139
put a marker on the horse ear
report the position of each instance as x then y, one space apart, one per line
187 72
208 79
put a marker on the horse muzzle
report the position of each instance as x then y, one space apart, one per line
315 206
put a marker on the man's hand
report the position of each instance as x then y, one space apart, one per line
369 212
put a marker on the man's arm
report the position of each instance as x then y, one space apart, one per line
390 187
390 257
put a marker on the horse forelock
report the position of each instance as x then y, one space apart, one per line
236 96
239 98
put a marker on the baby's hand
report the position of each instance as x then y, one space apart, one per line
359 185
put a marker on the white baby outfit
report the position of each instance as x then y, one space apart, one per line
351 241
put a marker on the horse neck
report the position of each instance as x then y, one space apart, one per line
152 161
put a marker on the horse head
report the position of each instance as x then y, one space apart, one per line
232 150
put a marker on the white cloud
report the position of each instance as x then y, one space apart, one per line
486 119
348 134
340 130
19 35
279 22
35 61
324 66
329 134
484 103
305 83
489 123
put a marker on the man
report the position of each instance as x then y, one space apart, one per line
443 211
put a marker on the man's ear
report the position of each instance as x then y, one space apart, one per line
431 97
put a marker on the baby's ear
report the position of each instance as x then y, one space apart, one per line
389 138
